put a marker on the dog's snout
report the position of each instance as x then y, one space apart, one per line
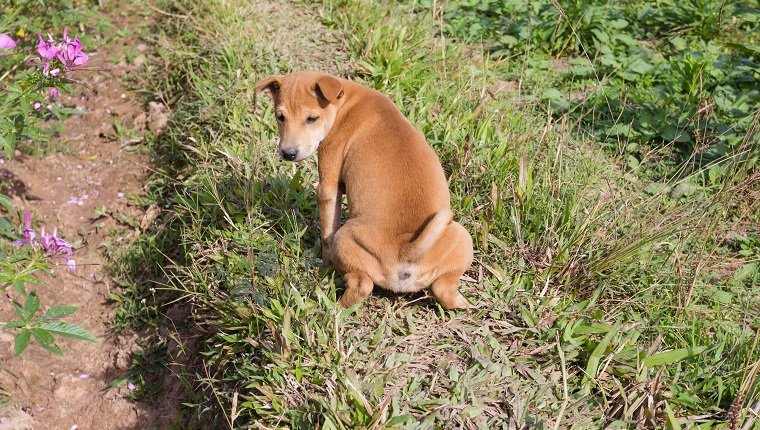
289 154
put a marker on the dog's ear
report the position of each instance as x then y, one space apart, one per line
329 89
270 85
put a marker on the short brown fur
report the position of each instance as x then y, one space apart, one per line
400 234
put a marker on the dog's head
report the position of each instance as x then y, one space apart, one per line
305 105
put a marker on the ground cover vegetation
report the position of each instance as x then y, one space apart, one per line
35 67
603 156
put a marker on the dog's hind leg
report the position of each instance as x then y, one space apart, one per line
357 263
358 287
446 291
453 256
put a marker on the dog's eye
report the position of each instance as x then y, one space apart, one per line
280 117
311 119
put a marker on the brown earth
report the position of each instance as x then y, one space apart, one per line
83 188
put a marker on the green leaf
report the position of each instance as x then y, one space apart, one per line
671 421
18 285
118 381
7 143
13 324
20 311
656 188
69 330
5 202
669 357
59 311
592 368
745 46
553 93
684 189
745 272
640 66
679 43
722 297
46 340
22 341
32 305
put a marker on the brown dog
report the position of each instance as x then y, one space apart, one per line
400 234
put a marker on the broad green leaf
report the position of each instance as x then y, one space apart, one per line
60 311
22 341
5 201
672 356
13 324
593 362
656 188
640 66
399 420
683 189
18 285
69 330
745 272
20 311
46 340
32 305
745 46
7 143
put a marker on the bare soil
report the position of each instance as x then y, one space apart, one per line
91 171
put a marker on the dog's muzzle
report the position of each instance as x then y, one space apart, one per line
289 154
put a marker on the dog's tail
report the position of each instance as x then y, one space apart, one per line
415 249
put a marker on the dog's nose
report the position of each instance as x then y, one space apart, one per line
289 154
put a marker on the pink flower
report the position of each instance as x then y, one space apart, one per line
51 244
28 235
37 105
70 52
66 53
6 42
47 48
53 93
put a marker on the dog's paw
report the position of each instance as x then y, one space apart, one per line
459 302
326 257
326 261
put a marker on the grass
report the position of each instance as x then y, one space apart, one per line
672 86
606 300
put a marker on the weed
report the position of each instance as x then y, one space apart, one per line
605 299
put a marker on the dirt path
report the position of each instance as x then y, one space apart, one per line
91 171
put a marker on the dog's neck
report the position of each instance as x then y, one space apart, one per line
340 133
360 105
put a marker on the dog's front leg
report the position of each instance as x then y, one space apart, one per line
329 200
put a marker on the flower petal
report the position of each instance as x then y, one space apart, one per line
6 42
80 59
53 93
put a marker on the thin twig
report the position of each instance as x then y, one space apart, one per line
564 384
162 12
752 415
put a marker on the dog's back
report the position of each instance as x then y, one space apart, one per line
392 177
